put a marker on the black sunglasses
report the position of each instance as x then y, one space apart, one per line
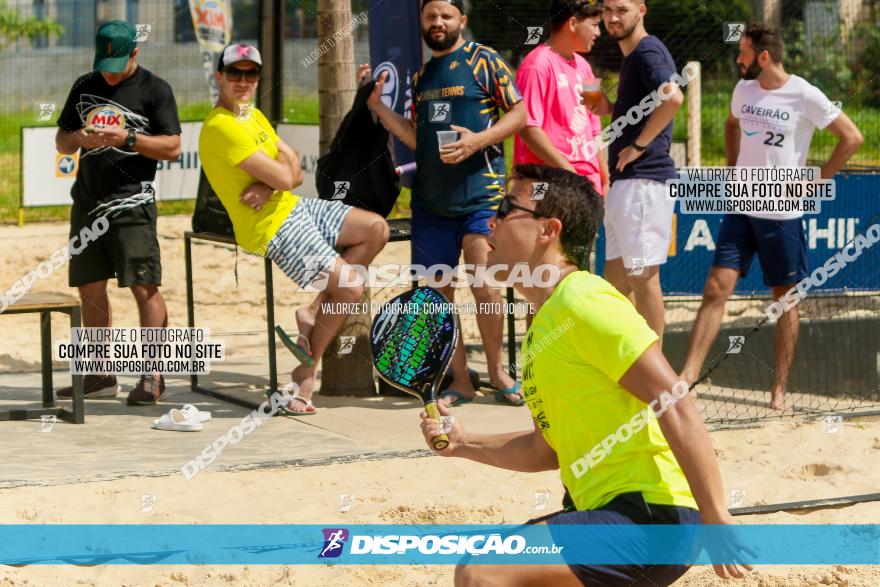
507 206
234 74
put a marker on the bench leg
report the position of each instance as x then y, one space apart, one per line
190 304
270 323
79 410
46 357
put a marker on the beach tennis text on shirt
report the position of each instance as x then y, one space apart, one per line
134 351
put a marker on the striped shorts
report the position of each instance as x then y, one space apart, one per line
305 244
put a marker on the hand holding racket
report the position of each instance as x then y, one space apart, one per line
412 341
444 425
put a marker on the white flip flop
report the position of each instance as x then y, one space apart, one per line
178 421
198 415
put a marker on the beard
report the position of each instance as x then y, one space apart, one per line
752 71
624 31
446 42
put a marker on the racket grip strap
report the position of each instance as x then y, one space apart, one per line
440 441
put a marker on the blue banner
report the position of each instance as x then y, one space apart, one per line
396 48
851 213
441 544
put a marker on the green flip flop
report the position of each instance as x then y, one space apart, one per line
298 351
460 399
503 395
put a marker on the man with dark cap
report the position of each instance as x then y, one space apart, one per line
123 119
463 88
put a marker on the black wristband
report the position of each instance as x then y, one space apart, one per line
637 146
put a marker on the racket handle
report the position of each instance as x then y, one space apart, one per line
440 441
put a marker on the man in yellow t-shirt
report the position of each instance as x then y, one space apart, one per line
608 410
252 171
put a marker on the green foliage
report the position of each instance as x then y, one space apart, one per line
693 30
867 81
822 62
14 26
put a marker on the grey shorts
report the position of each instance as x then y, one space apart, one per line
306 242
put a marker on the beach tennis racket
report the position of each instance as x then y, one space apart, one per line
412 340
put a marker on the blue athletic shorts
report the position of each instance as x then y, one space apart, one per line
628 508
436 240
781 246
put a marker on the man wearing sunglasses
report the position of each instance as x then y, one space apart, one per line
252 171
592 370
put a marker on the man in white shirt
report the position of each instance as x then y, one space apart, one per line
772 118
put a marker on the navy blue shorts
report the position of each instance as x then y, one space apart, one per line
436 240
628 508
781 246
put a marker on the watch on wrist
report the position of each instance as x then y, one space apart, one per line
131 138
637 146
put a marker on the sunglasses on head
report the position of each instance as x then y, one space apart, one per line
234 74
507 206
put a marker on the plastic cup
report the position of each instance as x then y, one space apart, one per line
445 137
592 92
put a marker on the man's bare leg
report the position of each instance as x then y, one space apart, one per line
785 336
96 311
649 298
151 311
719 287
491 324
362 237
151 306
615 274
326 326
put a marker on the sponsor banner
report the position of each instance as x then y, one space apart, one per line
212 21
398 55
695 237
305 140
442 544
47 179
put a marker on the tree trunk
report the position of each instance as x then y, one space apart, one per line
347 370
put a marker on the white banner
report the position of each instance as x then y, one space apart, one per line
48 175
305 140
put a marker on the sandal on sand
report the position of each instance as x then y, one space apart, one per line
178 421
503 395
460 398
302 353
285 409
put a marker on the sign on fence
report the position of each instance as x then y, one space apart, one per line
695 237
47 175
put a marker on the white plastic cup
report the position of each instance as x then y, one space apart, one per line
445 137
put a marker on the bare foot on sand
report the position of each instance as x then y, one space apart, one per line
777 401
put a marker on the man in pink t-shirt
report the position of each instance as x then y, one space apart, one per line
551 79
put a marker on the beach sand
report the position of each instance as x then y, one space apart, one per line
779 461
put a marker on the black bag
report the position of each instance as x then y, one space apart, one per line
209 214
358 169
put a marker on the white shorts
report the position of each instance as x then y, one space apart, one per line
638 222
305 244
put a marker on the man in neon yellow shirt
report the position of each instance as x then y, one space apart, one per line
252 171
590 365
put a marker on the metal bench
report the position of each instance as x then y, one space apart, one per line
45 304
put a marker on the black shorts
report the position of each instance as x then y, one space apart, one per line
128 251
627 508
